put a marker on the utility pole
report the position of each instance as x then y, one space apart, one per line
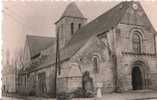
57 64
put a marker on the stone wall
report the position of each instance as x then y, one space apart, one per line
64 28
50 82
84 59
126 56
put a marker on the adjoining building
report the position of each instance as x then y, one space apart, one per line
115 51
32 80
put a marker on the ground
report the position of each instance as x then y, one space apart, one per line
135 95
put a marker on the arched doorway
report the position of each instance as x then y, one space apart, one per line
137 79
140 75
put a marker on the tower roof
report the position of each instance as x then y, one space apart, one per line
72 11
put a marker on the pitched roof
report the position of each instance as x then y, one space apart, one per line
102 23
38 43
73 11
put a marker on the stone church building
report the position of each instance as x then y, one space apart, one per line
115 51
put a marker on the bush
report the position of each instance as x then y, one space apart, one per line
89 94
64 96
81 93
78 93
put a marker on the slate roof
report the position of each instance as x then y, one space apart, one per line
38 43
72 11
102 23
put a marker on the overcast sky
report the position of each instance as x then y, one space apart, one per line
37 18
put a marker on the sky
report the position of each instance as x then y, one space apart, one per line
38 18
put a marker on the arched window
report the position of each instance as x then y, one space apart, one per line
95 63
136 42
72 28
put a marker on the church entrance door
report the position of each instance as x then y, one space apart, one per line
137 81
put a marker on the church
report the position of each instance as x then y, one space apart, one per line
114 52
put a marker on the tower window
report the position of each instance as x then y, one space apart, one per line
79 25
136 42
72 28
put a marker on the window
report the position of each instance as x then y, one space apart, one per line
136 42
72 28
79 25
95 63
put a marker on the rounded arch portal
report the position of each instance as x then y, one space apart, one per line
139 75
137 79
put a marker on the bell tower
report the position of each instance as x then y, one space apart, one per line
71 20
